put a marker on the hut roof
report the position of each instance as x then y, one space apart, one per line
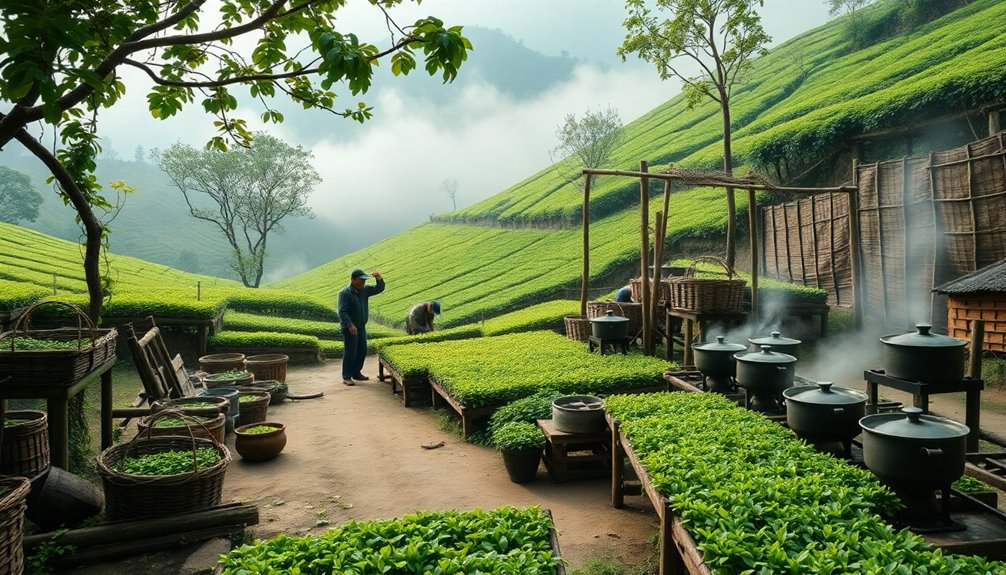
988 279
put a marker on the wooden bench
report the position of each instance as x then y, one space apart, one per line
412 390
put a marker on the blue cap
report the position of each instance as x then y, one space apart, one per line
359 274
436 307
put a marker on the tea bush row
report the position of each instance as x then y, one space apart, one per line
494 371
757 500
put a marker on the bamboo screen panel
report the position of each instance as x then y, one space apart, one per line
807 242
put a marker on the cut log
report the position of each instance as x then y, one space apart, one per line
231 517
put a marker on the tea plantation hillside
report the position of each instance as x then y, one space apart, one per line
800 102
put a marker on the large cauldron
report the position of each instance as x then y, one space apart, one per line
914 450
764 374
779 343
924 356
715 359
609 326
823 412
578 414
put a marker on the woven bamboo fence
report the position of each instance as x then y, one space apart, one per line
923 221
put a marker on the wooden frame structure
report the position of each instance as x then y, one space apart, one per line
751 184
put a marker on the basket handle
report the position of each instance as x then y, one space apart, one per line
177 414
82 320
712 259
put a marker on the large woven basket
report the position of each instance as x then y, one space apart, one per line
636 287
254 410
63 366
25 448
136 496
211 427
223 405
268 366
13 502
631 311
577 327
215 380
221 362
689 293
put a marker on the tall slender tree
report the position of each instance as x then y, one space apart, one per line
720 37
61 62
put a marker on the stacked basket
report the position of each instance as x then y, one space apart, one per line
694 294
25 447
13 502
267 366
632 311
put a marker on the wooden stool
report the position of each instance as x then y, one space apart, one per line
614 345
570 456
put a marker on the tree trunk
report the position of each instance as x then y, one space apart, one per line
728 169
92 227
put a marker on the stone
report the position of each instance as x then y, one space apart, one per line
203 560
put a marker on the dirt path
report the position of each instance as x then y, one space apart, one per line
355 454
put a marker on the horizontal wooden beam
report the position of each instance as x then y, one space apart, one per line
720 181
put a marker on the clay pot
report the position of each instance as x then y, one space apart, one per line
260 446
521 465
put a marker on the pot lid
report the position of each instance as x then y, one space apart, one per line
775 338
719 345
765 355
609 317
922 338
824 393
579 403
913 424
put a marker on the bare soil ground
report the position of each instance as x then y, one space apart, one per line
356 454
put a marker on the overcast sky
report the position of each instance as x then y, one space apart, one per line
387 172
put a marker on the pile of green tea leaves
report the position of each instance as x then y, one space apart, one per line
505 541
169 462
23 343
248 398
178 422
7 422
259 429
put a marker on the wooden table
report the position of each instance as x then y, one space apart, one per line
57 401
703 319
571 456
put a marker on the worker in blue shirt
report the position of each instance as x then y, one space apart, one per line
624 295
354 310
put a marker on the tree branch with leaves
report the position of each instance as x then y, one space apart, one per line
60 66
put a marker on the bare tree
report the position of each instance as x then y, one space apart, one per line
589 140
252 190
450 187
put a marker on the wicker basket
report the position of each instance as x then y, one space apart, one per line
253 411
277 391
577 327
206 427
25 448
137 497
632 311
64 366
221 362
268 366
694 294
13 502
636 286
223 405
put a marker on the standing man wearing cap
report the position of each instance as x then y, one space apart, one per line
353 313
420 318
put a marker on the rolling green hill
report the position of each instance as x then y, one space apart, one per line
799 105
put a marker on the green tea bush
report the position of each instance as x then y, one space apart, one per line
518 436
757 500
526 410
547 315
240 339
276 303
504 541
15 295
239 321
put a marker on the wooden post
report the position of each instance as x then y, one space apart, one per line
753 232
586 245
995 125
617 467
658 260
644 254
199 291
973 404
854 255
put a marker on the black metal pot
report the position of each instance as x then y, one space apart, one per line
912 449
924 356
823 412
715 359
609 326
764 374
779 343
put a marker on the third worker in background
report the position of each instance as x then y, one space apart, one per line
420 319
